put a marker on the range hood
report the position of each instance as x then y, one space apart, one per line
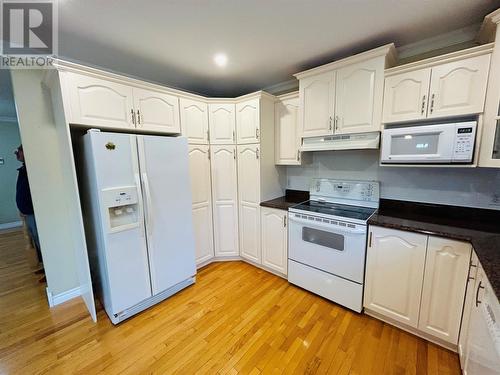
342 142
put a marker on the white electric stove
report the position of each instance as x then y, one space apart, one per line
327 239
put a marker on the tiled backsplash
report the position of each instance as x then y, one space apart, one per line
472 187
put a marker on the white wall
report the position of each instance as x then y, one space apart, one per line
9 140
473 187
45 159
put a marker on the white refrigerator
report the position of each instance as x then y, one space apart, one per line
137 213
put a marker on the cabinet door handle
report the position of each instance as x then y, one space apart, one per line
370 240
336 122
423 105
284 221
208 135
257 133
133 115
298 155
432 102
257 155
479 287
234 139
234 154
330 122
471 265
138 117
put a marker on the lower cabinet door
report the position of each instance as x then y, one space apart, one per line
445 281
225 200
394 274
274 239
201 191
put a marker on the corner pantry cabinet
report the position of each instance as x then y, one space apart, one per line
345 96
194 120
90 100
417 280
201 190
445 86
274 239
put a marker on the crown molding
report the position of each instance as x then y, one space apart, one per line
442 59
289 95
388 51
283 87
488 28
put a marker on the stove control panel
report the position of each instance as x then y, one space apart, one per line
362 193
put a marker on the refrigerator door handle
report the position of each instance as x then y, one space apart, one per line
140 203
149 206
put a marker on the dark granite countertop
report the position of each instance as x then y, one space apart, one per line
480 227
291 198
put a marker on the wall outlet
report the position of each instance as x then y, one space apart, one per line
2 161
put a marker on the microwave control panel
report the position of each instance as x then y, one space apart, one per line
465 136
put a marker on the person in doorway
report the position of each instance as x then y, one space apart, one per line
24 202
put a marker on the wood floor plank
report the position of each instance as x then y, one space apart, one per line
236 319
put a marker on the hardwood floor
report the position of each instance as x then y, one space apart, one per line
235 319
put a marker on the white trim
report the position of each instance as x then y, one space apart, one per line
465 34
283 87
388 51
9 119
13 224
57 299
441 59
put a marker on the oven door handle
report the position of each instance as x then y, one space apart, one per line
322 225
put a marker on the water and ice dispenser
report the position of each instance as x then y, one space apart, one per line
122 207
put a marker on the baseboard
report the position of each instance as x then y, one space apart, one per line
12 225
413 331
236 258
57 299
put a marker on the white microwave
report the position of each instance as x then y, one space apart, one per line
424 144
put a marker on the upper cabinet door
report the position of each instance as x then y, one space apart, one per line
156 111
194 120
287 136
359 96
248 121
100 103
201 191
443 293
222 123
406 96
394 274
459 88
317 102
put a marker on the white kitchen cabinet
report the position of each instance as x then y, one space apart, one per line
225 200
394 274
201 190
317 102
406 96
156 111
194 120
358 88
97 102
222 123
287 138
274 239
459 87
445 86
248 121
469 301
443 292
345 96
249 201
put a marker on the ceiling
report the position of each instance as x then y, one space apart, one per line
173 41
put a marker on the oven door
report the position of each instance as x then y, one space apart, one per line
339 250
422 144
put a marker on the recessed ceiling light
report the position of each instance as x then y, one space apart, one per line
220 59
